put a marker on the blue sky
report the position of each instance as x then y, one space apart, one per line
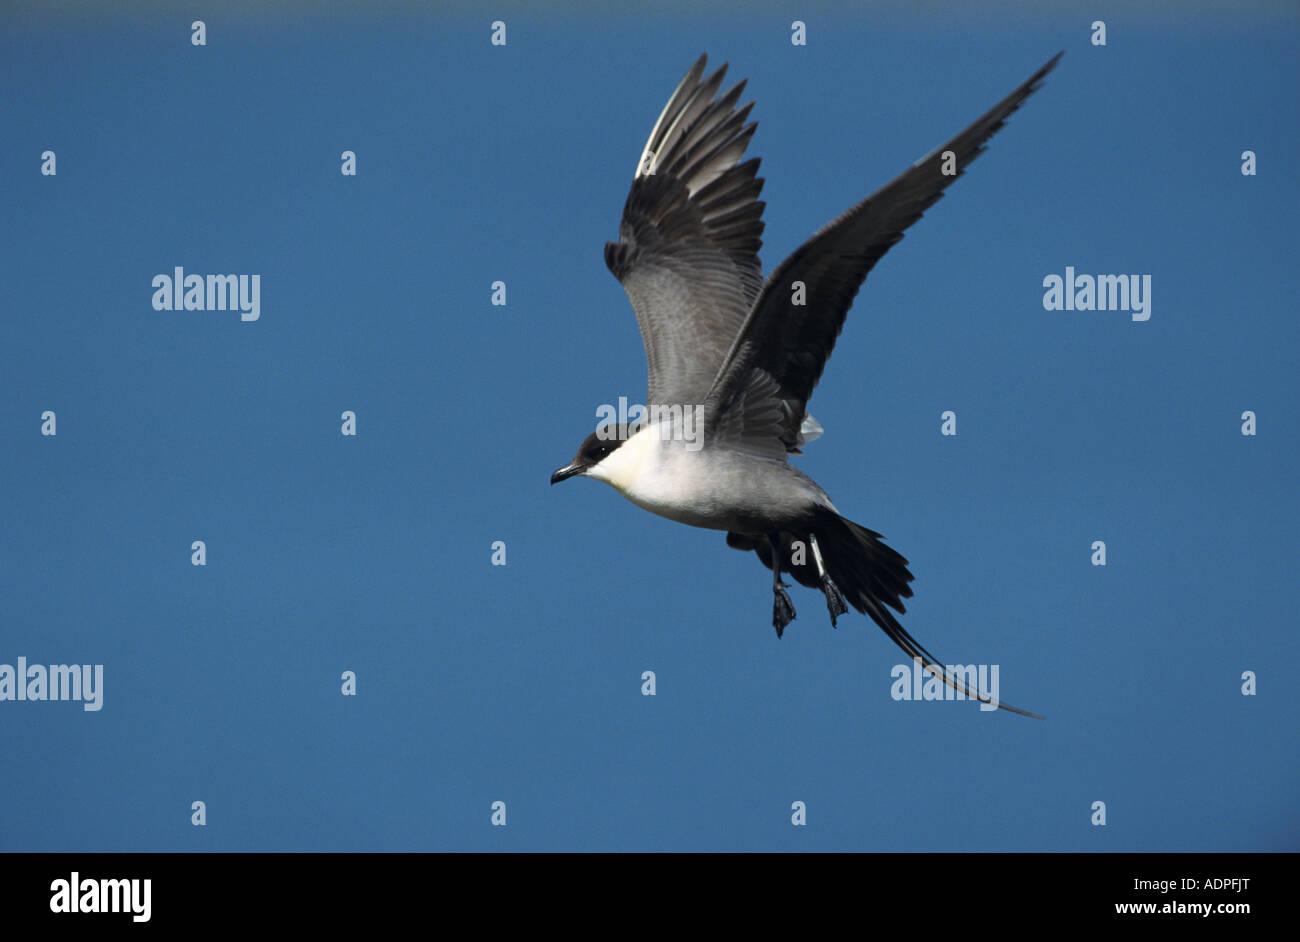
522 683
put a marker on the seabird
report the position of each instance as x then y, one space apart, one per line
733 359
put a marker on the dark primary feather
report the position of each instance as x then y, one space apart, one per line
687 254
793 342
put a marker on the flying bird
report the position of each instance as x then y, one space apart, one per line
733 359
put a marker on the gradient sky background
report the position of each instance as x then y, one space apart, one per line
522 683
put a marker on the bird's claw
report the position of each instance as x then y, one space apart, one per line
782 609
834 599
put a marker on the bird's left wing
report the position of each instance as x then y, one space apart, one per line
687 254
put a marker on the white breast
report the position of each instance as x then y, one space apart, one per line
665 478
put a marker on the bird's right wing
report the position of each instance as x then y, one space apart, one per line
687 254
793 326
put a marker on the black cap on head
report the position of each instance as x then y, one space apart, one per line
594 449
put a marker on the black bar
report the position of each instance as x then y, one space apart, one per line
334 891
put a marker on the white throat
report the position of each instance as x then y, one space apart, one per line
621 467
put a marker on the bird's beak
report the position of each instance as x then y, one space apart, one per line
568 471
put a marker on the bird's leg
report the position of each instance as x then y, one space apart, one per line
782 609
834 598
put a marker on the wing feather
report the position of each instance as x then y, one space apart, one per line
792 342
692 226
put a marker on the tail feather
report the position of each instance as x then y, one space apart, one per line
872 575
873 578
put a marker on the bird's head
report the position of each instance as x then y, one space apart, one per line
595 448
